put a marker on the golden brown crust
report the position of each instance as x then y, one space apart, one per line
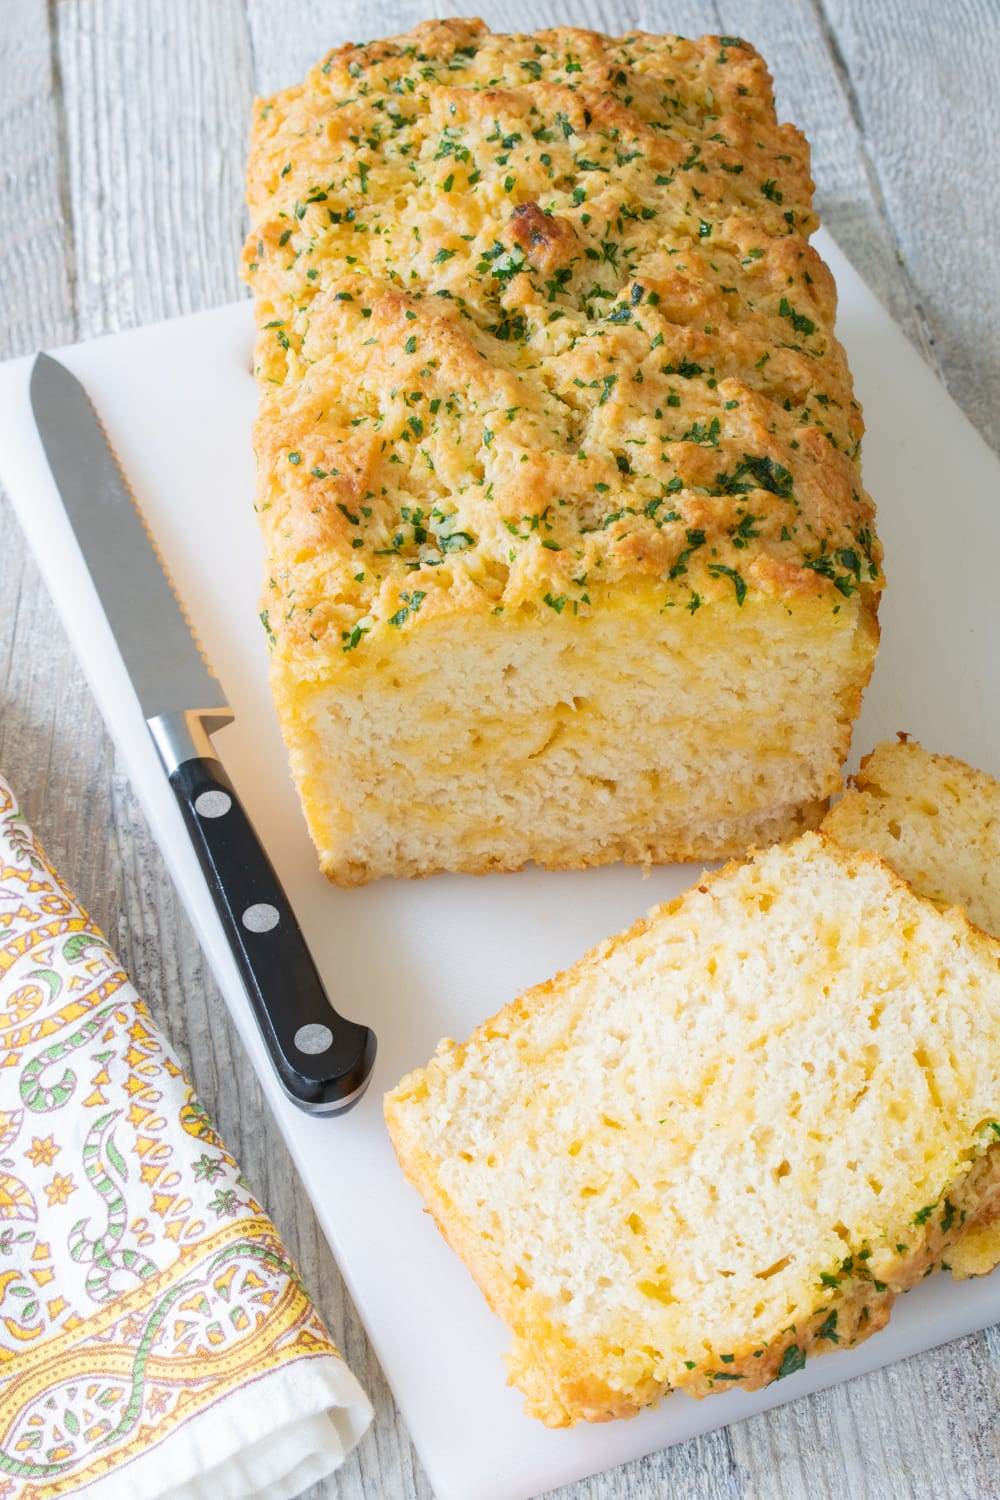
538 316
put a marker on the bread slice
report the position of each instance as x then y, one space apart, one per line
568 556
724 1141
934 819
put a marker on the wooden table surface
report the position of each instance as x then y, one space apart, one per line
122 135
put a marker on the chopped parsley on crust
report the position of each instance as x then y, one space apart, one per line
539 320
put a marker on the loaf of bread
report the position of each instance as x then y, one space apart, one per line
568 557
723 1142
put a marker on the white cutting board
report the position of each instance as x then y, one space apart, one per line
423 959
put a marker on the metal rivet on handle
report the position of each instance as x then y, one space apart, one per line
314 1038
212 804
261 918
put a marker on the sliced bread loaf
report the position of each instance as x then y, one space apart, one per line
558 454
723 1141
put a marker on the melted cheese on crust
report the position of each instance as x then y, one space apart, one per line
538 317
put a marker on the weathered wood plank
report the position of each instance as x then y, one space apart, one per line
612 16
52 746
282 53
156 98
923 1429
702 1469
157 101
922 82
36 304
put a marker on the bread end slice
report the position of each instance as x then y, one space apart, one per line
934 819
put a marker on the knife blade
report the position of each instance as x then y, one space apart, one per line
322 1060
168 669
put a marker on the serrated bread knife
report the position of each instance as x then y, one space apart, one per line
323 1061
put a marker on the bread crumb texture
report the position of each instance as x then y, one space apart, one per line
724 1141
542 342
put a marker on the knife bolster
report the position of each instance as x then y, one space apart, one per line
185 734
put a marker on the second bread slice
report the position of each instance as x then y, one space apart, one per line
723 1141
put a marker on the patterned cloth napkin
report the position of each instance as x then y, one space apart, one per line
155 1339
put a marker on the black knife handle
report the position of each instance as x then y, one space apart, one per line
322 1060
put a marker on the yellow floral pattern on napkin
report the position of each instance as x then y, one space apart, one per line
140 1282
